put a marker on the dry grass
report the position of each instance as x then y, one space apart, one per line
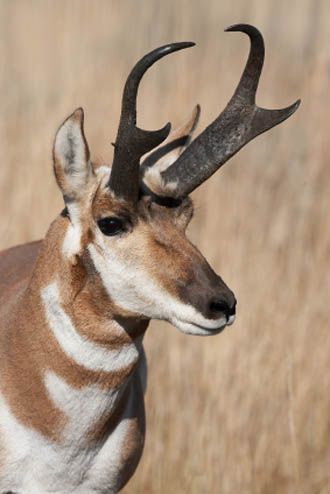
246 412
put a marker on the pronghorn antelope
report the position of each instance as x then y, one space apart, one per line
75 306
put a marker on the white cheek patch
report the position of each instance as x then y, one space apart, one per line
78 348
131 289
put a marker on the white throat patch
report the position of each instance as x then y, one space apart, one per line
86 353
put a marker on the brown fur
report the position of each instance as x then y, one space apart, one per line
152 241
159 234
33 349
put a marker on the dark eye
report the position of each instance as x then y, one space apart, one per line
110 225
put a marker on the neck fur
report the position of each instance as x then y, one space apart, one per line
81 353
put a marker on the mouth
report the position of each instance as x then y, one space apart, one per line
211 328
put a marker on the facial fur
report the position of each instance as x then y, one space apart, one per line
148 268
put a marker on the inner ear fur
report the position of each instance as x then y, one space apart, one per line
160 158
71 157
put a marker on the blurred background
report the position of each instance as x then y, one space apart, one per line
247 411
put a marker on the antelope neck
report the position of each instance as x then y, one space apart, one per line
76 349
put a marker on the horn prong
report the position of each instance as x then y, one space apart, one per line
240 122
132 142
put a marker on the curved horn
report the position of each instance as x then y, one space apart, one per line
241 121
133 142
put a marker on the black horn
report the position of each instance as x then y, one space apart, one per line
132 142
241 121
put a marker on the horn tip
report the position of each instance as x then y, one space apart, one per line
275 117
297 104
167 128
180 45
164 50
244 28
290 110
185 44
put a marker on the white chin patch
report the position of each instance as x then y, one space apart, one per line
230 320
212 328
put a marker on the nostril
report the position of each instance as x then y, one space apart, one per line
221 305
218 306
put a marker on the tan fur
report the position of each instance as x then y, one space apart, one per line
156 236
34 350
152 244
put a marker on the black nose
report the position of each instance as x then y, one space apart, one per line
221 305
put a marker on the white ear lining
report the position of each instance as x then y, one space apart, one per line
180 136
71 156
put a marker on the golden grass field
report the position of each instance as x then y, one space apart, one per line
248 411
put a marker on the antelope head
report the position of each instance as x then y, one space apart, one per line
126 225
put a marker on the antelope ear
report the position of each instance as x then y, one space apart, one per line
160 158
71 157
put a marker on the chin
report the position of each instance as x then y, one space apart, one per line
214 328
